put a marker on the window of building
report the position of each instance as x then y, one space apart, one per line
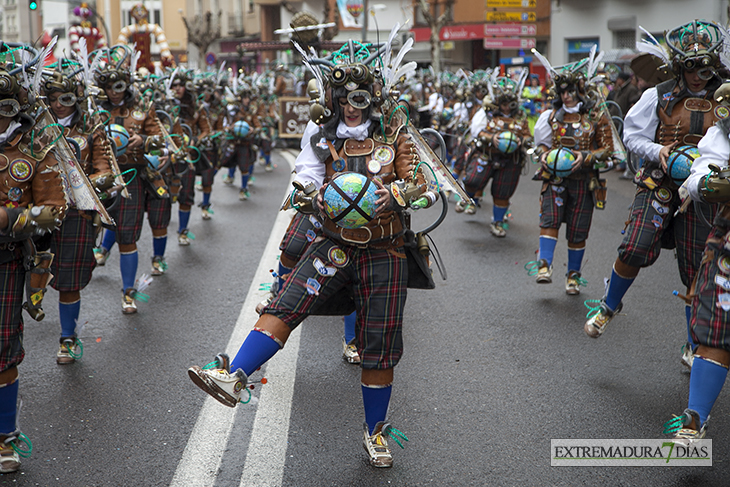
624 39
579 48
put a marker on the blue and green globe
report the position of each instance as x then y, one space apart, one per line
349 200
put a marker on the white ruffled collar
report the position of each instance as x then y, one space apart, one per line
360 132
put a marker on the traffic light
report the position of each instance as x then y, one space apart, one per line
33 5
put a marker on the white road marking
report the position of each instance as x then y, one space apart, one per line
264 464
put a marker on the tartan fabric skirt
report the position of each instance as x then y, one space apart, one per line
653 226
130 213
300 233
12 276
73 249
187 185
569 202
375 278
503 171
159 211
710 321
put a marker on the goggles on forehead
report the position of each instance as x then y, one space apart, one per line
356 73
359 99
9 107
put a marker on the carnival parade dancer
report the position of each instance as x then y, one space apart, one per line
124 108
577 127
498 138
34 203
73 243
354 105
710 317
675 113
194 116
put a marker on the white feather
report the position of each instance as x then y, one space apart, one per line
36 86
654 47
404 71
83 56
551 72
389 46
168 84
135 58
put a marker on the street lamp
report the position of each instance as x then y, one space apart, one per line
366 11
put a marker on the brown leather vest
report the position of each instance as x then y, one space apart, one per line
394 161
136 121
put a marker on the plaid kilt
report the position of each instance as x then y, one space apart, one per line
243 158
130 212
709 321
298 236
187 185
12 276
208 176
653 226
503 171
159 211
73 249
570 202
377 281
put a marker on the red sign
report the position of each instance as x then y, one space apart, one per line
508 43
464 32
510 30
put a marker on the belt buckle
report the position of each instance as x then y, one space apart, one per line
358 243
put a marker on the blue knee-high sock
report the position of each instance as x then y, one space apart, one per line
184 217
376 401
280 279
617 287
244 181
575 259
108 241
267 158
128 264
256 350
68 314
498 213
350 326
159 244
231 171
206 199
547 248
8 407
705 383
688 313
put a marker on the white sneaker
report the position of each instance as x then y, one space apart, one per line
129 307
101 256
183 239
688 356
349 352
215 379
9 458
497 229
227 180
376 447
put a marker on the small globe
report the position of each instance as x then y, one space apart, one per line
560 161
507 142
119 136
679 162
349 200
241 129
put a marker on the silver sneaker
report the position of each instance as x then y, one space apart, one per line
376 447
497 229
544 272
217 381
572 283
596 325
349 352
688 355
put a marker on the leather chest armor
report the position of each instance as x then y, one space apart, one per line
387 163
685 120
95 150
139 122
574 131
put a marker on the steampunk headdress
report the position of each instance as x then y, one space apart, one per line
698 45
355 75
